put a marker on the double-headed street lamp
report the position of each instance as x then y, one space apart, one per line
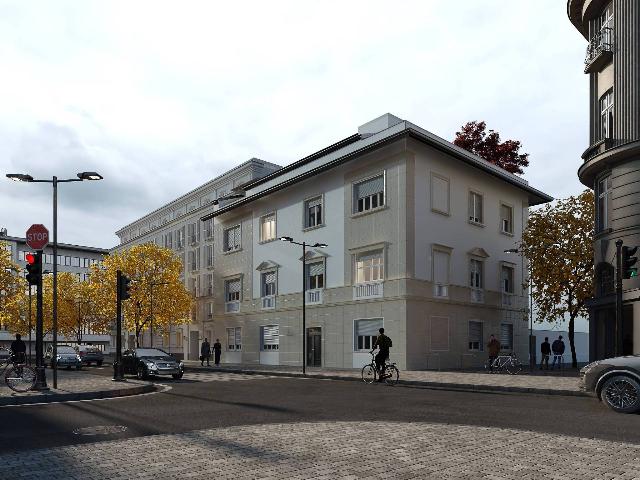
21 177
304 246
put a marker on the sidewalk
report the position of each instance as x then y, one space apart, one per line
74 385
547 383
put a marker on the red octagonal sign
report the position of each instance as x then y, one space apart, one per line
37 236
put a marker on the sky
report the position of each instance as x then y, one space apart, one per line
160 97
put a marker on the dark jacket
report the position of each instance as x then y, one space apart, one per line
545 348
383 343
18 346
217 347
558 347
205 349
494 347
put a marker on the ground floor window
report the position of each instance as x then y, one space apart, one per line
475 336
365 333
270 338
234 339
506 336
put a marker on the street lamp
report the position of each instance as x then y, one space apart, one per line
304 246
515 250
22 177
152 285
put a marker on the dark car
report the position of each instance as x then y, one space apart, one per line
67 357
145 362
615 381
90 354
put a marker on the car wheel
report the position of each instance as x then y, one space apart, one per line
78 367
141 373
621 394
177 376
99 363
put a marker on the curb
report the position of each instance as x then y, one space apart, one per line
66 397
461 387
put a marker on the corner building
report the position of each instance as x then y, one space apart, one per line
611 163
416 230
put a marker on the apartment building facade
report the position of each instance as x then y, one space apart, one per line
611 162
75 259
177 226
416 231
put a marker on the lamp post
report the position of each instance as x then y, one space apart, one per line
515 250
152 284
304 246
21 177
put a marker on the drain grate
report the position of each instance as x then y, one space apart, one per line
100 430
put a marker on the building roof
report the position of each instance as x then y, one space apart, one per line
371 136
60 245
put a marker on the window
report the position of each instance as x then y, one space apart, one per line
475 207
439 194
268 227
268 283
368 194
193 287
270 338
209 284
370 267
365 333
85 262
208 251
48 258
507 279
439 334
476 280
179 338
209 310
475 336
506 336
315 275
313 212
606 115
606 279
75 261
194 260
168 240
506 219
208 229
180 238
21 254
232 295
441 261
234 339
194 233
232 239
603 191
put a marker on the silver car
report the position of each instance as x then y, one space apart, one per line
615 381
66 357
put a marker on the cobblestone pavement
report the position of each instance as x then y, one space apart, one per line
220 377
549 382
331 450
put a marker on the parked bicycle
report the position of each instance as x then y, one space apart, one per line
510 363
18 376
390 374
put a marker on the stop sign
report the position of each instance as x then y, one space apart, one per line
37 236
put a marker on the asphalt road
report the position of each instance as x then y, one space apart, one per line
224 400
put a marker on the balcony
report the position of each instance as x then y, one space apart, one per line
441 291
599 51
314 297
363 291
269 303
477 295
232 307
508 299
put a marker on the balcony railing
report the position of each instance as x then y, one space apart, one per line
599 48
440 290
508 299
477 295
269 302
368 290
314 297
232 307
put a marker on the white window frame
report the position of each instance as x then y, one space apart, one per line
440 289
476 207
480 342
603 200
378 266
607 110
236 346
319 212
268 297
432 198
208 229
232 305
308 277
225 237
476 279
271 347
268 234
208 249
367 340
380 200
510 220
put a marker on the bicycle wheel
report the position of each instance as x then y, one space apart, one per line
513 366
20 378
369 373
392 375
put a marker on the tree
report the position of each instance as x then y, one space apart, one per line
558 243
88 317
149 267
66 314
473 138
13 288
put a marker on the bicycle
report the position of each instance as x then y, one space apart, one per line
391 374
19 377
508 362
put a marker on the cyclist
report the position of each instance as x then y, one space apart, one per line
383 343
18 349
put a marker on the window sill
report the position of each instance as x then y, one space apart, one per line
440 212
315 227
229 252
476 224
369 212
602 233
508 234
262 242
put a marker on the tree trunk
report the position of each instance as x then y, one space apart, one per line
574 358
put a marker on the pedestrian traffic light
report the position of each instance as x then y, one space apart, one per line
125 287
34 268
628 262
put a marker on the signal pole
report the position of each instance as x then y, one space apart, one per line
619 311
117 365
41 378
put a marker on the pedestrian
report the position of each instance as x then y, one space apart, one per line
383 343
18 349
545 349
205 352
494 350
558 350
217 350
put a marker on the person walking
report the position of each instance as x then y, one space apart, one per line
558 350
494 350
545 350
383 343
217 350
205 352
18 349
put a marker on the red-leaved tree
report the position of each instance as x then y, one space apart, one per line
474 138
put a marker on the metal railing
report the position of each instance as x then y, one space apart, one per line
440 290
601 42
477 295
232 307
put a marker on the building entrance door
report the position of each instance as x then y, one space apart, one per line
314 347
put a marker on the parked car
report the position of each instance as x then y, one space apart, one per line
145 362
90 354
66 357
615 381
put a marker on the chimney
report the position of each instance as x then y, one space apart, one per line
378 124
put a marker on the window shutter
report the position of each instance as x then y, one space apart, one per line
231 336
233 286
440 193
370 187
314 202
315 269
238 335
269 277
475 332
506 336
441 267
368 327
271 335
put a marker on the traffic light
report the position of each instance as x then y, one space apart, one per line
628 262
125 287
34 268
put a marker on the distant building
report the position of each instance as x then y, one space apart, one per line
611 164
75 259
581 340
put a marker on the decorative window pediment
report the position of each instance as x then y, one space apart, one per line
478 252
314 255
267 265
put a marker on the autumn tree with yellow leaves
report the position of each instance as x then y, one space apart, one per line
558 243
13 288
149 266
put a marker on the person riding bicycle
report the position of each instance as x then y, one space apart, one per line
18 349
383 343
